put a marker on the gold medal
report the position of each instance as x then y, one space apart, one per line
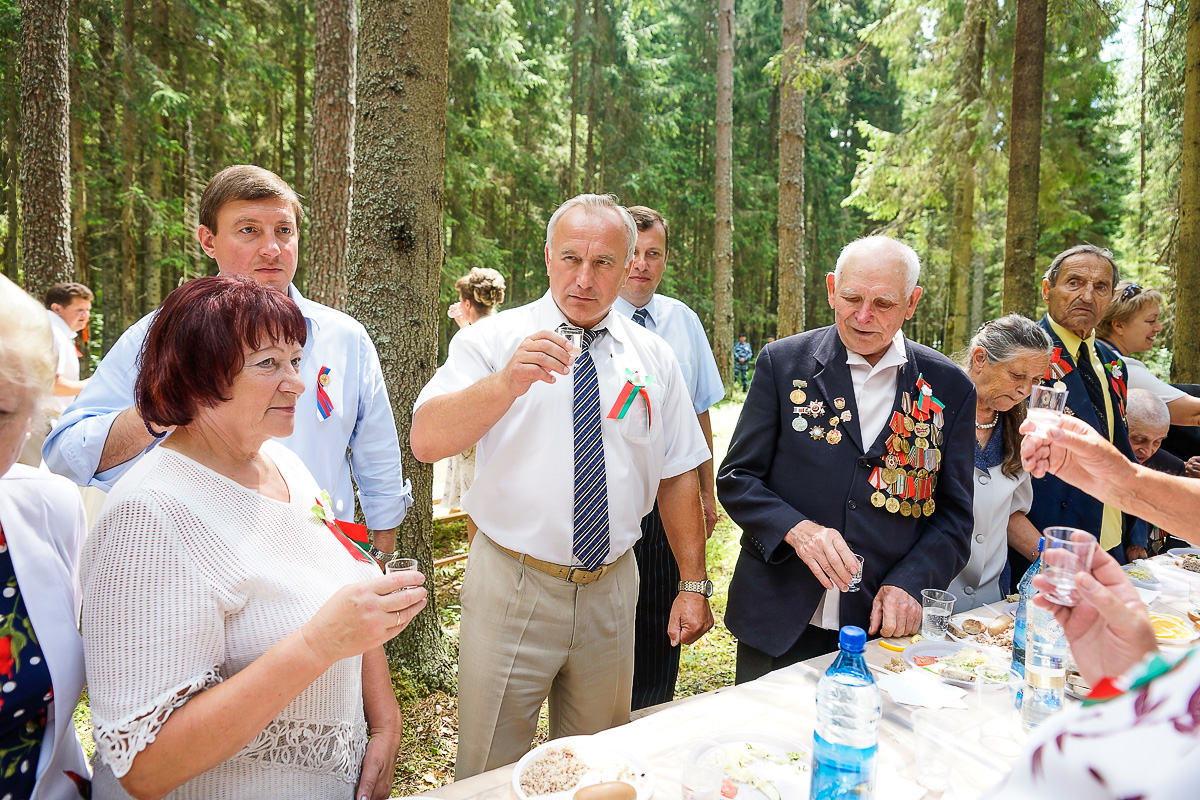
324 379
839 403
916 509
922 473
877 499
922 442
892 461
1059 386
892 505
909 424
797 396
921 429
906 508
817 433
834 422
834 436
929 506
800 424
890 474
847 416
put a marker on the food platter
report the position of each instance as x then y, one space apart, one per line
762 766
603 763
1167 624
1180 552
929 657
1141 576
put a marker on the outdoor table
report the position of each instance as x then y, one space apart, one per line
783 703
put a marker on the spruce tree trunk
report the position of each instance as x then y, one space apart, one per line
723 234
79 226
12 167
576 26
791 171
1021 286
396 254
1186 365
48 257
153 266
299 134
334 77
106 96
129 148
974 30
193 255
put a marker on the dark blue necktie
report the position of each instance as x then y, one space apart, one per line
1095 391
640 315
591 489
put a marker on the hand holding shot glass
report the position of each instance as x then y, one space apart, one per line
857 579
1046 406
574 335
404 565
1067 552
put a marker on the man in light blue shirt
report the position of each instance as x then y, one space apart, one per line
249 223
655 660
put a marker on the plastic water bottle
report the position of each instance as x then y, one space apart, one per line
1045 667
1026 590
846 739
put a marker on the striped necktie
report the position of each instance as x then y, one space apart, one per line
590 544
640 315
1091 382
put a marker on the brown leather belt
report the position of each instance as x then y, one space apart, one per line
563 573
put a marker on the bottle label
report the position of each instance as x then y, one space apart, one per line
1039 678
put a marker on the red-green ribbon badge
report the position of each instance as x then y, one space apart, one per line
1058 368
635 384
352 536
927 405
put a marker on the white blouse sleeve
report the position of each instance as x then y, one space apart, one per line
153 625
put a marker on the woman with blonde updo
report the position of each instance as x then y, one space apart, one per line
480 293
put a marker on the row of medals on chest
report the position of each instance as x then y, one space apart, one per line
894 475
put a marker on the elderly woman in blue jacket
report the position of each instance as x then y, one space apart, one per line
42 528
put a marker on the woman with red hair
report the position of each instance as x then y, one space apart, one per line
234 639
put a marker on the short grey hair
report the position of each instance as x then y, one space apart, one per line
1147 410
598 203
26 345
912 262
1007 338
1051 276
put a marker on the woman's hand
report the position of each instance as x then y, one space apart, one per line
385 724
1109 630
364 615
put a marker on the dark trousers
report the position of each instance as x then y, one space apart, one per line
741 374
655 661
753 664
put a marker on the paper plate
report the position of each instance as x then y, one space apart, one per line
940 649
1154 584
760 754
605 764
1180 552
1187 623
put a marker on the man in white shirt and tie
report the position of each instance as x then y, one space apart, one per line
655 659
572 453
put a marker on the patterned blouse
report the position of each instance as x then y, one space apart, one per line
25 690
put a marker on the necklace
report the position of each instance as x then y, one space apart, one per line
990 425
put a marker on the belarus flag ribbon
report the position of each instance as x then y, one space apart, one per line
352 536
635 384
927 405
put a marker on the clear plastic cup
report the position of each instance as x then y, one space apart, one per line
1066 553
936 607
1046 405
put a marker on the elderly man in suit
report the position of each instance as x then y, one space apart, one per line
1077 288
854 440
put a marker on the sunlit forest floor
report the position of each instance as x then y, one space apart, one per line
431 719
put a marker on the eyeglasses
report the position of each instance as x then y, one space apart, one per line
1131 291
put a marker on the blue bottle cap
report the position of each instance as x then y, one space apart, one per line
852 639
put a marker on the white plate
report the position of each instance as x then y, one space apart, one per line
1180 552
1187 623
1153 585
940 649
1011 609
605 763
792 780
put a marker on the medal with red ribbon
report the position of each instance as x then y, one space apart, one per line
324 404
352 536
635 385
1058 367
927 405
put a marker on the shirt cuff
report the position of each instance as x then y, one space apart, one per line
385 511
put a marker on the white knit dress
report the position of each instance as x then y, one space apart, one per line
188 577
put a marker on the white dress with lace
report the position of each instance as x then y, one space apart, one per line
188 577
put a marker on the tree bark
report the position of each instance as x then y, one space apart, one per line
153 265
791 170
45 146
334 78
1021 286
12 167
974 30
79 226
589 178
723 234
1186 363
194 256
299 134
106 96
396 253
129 142
573 169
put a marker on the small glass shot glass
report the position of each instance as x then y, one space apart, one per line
857 579
574 335
1062 558
1046 405
401 565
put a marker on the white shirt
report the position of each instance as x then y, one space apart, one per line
874 395
997 497
189 577
674 321
66 359
1140 377
523 495
361 420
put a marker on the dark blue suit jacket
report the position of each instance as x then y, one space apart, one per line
774 477
1059 503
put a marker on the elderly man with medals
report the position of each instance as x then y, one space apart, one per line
854 441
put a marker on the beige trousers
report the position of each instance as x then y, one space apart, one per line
526 636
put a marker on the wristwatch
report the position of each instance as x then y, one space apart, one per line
699 587
380 555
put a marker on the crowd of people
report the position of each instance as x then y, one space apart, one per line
233 620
